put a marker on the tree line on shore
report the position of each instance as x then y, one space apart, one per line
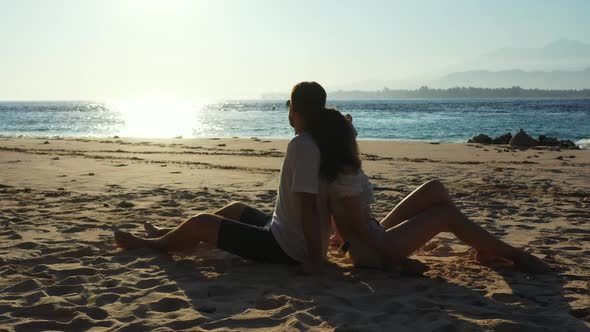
460 92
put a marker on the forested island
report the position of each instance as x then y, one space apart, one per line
460 92
457 92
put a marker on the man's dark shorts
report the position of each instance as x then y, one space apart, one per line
252 238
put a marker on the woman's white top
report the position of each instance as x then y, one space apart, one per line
346 185
349 185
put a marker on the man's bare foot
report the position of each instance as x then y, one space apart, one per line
126 240
152 231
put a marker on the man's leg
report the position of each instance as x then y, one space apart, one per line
203 227
232 211
241 239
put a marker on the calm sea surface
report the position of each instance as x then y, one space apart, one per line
426 120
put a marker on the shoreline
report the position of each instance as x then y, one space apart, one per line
583 144
60 202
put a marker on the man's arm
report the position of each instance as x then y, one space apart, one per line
311 230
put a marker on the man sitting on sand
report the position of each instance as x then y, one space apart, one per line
293 234
324 154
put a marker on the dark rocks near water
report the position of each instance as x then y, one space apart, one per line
481 138
567 144
523 140
502 139
548 141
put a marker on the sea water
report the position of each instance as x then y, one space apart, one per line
445 120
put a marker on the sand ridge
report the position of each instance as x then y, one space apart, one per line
60 202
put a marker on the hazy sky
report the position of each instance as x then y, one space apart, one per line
82 49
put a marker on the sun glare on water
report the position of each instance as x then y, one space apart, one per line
157 117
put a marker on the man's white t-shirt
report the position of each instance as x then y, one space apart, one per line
300 173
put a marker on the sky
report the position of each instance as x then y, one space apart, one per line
105 49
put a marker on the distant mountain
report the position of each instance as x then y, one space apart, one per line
563 54
561 48
555 66
374 85
456 92
525 79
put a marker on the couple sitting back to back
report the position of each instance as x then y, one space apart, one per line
321 180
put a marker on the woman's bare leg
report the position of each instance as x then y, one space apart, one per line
203 227
231 211
410 235
430 194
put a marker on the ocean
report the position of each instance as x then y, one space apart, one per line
444 120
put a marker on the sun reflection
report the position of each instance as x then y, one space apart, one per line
157 117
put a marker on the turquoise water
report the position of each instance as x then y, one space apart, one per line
425 120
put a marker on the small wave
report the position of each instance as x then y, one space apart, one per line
584 143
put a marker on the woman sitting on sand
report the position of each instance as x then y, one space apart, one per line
419 217
325 146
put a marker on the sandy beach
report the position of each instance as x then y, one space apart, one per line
61 200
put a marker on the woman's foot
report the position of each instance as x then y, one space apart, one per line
490 260
152 231
528 262
126 240
336 241
519 260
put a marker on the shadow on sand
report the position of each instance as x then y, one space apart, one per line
231 293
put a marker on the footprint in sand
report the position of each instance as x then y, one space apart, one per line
270 303
125 204
169 304
34 297
505 297
23 286
62 290
148 283
104 299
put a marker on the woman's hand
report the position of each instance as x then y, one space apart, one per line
336 241
325 268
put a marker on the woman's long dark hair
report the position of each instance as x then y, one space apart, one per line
332 133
